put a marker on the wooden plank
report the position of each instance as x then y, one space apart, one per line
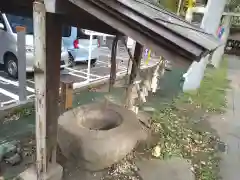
66 95
47 38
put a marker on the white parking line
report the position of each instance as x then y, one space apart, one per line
71 73
122 67
104 48
8 102
14 101
15 83
102 62
94 75
31 81
3 82
81 71
9 94
119 57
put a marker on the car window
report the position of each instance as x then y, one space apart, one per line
20 21
66 31
1 19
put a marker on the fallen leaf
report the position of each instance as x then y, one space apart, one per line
156 151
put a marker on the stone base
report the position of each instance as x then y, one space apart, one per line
55 172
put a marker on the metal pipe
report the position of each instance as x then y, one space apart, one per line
89 57
21 52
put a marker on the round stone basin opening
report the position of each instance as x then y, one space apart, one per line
101 119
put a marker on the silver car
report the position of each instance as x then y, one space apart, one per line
8 45
77 42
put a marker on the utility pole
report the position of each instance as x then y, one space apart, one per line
212 16
219 52
211 20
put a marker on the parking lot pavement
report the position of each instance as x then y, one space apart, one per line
9 88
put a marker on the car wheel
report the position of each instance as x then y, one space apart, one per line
71 61
93 61
94 137
11 66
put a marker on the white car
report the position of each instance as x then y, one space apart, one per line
77 42
8 45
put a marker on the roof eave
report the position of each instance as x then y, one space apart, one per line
146 37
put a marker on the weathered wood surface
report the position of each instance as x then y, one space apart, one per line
136 61
113 63
66 96
47 38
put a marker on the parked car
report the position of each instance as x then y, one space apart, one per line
8 45
77 42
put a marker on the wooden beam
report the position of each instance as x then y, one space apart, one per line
53 54
23 7
69 12
47 38
134 71
113 63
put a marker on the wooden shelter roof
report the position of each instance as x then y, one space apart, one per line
153 27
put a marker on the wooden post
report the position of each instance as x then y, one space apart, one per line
134 70
66 95
21 49
47 38
113 63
